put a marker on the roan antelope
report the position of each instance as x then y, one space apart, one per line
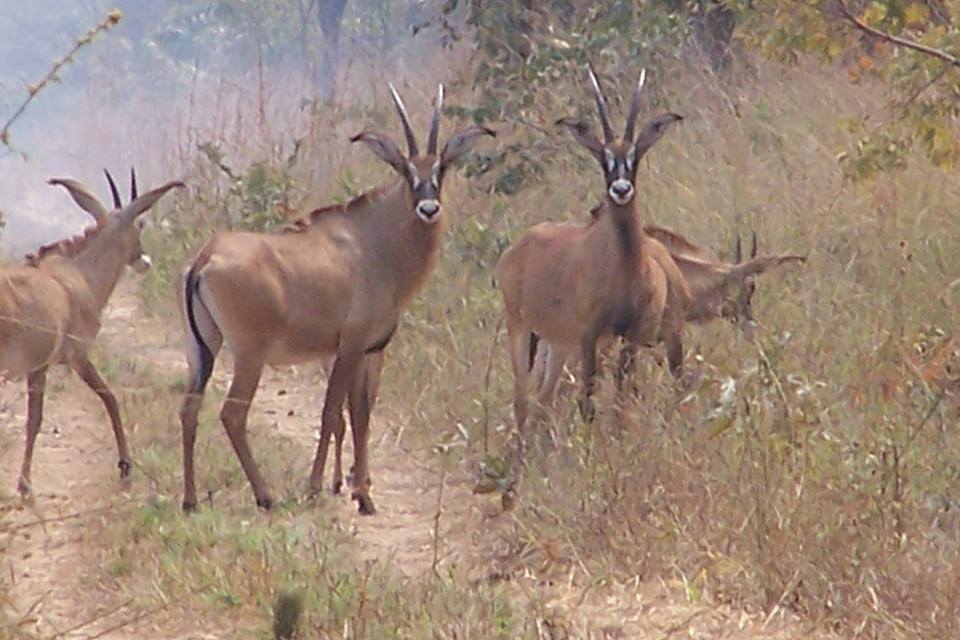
718 290
50 307
335 284
573 284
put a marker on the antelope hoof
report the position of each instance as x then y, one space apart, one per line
189 506
337 487
23 488
265 503
364 504
125 466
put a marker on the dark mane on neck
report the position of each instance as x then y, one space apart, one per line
302 224
629 233
68 247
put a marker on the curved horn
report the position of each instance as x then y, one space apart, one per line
753 246
133 184
739 253
435 123
405 120
113 190
84 199
634 107
601 107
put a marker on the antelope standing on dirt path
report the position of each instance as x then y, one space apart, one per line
718 289
50 307
334 285
573 284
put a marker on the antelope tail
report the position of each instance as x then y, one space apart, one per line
204 353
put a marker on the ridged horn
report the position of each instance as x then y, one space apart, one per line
113 190
601 107
435 123
634 107
405 120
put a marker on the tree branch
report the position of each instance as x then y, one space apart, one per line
897 40
32 90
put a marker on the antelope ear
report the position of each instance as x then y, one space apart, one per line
142 203
762 264
651 133
461 142
385 149
83 197
583 133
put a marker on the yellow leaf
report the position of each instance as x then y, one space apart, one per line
875 14
916 14
721 425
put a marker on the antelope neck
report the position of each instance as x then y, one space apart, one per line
100 264
629 233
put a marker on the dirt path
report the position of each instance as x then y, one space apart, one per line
50 566
51 572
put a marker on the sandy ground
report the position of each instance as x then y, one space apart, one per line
50 568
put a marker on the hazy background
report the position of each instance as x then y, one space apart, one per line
169 76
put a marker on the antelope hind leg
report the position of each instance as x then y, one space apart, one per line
233 414
36 384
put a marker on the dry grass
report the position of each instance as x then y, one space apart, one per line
813 471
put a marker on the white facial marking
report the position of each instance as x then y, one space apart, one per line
610 160
621 191
142 264
428 210
630 153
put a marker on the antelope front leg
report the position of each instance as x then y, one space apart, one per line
361 405
36 383
628 359
588 356
341 429
519 343
338 385
91 377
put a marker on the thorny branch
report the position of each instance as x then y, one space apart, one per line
897 40
112 19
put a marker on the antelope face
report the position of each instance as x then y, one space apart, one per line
619 157
424 177
737 305
620 172
423 174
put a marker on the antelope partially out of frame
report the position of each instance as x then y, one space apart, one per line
50 307
335 285
718 290
573 285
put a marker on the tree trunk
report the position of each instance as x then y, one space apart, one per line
713 24
330 15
